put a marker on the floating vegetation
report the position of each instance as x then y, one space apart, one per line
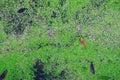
58 39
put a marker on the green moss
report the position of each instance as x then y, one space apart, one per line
62 54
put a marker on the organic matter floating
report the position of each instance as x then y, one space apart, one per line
82 41
78 27
92 70
2 76
21 10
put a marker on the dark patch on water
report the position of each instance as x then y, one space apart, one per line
83 7
62 75
3 75
41 74
21 10
54 15
92 70
19 29
40 46
7 49
17 23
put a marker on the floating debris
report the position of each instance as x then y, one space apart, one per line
3 75
92 70
78 27
21 10
83 42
